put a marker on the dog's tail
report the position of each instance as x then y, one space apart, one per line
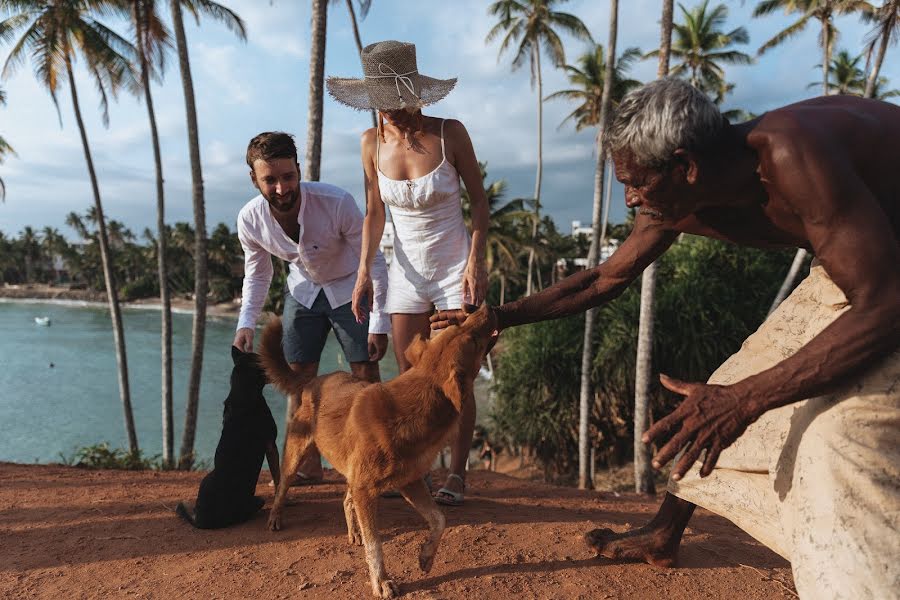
271 356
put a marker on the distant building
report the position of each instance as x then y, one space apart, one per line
609 246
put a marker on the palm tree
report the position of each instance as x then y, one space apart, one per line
820 10
532 25
593 88
53 246
152 41
201 276
319 27
700 46
5 149
364 6
55 34
643 472
887 18
880 91
845 73
502 244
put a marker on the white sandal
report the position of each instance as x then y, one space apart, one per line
449 497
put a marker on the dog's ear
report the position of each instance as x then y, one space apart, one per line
236 354
415 349
457 388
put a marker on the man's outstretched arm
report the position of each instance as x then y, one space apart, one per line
585 289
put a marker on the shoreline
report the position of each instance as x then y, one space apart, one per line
49 294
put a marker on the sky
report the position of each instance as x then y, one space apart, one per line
243 88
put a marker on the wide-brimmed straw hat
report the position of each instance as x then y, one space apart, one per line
392 80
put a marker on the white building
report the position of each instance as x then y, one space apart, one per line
609 246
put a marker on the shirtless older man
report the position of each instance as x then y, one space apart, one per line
796 438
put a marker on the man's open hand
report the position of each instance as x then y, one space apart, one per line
377 344
445 318
711 418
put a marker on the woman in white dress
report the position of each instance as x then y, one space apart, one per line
413 164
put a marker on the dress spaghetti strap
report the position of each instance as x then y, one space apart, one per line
443 153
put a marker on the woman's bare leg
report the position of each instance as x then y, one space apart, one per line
405 327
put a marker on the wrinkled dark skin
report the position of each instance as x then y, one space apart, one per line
821 175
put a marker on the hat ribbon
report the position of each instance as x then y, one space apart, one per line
388 72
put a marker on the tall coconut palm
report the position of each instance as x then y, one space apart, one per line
880 91
152 39
5 150
887 18
55 33
701 46
531 25
364 6
318 33
643 471
201 275
823 11
591 78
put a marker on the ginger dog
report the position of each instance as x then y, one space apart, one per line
382 436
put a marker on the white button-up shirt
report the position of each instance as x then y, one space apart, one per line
325 257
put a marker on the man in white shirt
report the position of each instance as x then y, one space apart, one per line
317 229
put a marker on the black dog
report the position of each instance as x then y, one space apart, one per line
226 496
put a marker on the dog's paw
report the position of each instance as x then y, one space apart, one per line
389 589
426 559
274 521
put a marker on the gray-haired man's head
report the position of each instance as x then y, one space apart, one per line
656 119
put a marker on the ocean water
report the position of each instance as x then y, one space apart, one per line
48 412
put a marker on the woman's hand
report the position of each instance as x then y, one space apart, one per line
474 283
363 294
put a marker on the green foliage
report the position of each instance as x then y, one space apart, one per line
710 296
537 387
101 456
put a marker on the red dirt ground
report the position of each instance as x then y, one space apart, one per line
74 533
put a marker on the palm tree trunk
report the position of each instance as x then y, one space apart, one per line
168 437
502 289
788 284
201 275
316 89
643 472
607 199
826 50
111 295
536 58
879 59
359 46
587 352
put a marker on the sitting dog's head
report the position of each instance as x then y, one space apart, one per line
455 354
247 377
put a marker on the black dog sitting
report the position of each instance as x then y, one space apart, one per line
226 496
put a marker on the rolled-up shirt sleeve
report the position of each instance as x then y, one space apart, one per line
257 277
351 222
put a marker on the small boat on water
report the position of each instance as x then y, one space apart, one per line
45 321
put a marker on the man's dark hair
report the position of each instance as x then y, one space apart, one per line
270 145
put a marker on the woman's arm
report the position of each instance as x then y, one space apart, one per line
373 228
462 157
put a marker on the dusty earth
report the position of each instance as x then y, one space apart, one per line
73 533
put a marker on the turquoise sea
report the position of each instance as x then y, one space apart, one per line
47 412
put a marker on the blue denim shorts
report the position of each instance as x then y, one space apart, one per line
306 329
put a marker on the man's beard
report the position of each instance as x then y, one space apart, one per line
284 204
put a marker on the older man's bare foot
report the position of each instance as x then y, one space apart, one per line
656 543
